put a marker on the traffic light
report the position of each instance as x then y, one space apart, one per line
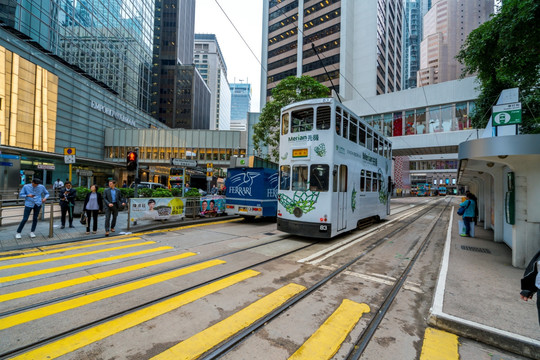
132 161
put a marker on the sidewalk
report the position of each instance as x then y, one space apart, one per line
477 294
8 241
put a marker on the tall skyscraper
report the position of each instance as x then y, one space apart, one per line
240 105
358 42
180 97
446 27
211 64
109 42
412 36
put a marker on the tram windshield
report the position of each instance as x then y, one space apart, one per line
300 177
285 177
318 180
302 120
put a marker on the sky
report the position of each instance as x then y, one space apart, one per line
246 15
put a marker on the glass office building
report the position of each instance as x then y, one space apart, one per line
108 41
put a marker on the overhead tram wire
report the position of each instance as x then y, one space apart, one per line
334 66
239 34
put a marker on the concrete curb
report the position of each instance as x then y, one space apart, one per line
505 340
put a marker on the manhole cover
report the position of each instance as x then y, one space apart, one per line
476 249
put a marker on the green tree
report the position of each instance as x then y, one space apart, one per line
288 91
504 53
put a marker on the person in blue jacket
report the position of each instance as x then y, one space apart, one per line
34 196
469 214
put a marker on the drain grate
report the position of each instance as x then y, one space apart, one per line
269 233
475 249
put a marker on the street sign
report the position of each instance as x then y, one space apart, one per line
86 173
69 151
507 114
69 159
45 167
184 163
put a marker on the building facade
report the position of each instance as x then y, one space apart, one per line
353 47
240 105
211 65
180 98
446 27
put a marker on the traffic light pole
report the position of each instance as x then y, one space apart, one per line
136 174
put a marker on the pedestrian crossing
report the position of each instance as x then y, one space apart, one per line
322 344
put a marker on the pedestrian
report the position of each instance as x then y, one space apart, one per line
530 283
475 219
67 203
124 185
468 215
113 200
34 194
186 188
214 190
58 184
93 205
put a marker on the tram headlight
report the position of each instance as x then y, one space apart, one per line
297 212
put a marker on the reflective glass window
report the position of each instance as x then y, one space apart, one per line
285 124
285 177
421 121
319 175
300 177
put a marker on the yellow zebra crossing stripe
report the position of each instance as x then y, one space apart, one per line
186 227
75 255
81 264
99 332
326 341
59 307
68 248
205 340
89 278
439 345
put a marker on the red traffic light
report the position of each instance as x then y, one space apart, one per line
131 160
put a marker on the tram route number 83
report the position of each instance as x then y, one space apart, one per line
323 228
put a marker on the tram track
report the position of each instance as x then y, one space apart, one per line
239 337
231 343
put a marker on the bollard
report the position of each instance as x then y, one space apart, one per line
129 214
51 219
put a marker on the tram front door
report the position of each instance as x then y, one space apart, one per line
342 198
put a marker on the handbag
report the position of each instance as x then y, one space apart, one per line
462 209
83 218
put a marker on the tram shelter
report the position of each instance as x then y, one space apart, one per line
504 173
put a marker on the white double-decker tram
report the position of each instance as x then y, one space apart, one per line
334 170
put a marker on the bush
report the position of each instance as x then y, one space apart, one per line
176 192
193 192
144 192
81 193
127 192
159 192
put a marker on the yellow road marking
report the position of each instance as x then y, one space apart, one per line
326 341
99 332
439 345
200 343
68 248
75 255
89 278
59 307
81 264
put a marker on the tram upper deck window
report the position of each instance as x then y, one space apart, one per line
285 177
353 130
345 129
323 117
369 139
318 180
300 177
302 120
338 121
362 134
285 124
375 143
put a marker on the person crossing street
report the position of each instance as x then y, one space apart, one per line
113 201
34 195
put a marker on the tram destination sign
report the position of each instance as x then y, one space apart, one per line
184 163
507 114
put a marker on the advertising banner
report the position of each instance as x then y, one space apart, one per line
157 209
212 205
